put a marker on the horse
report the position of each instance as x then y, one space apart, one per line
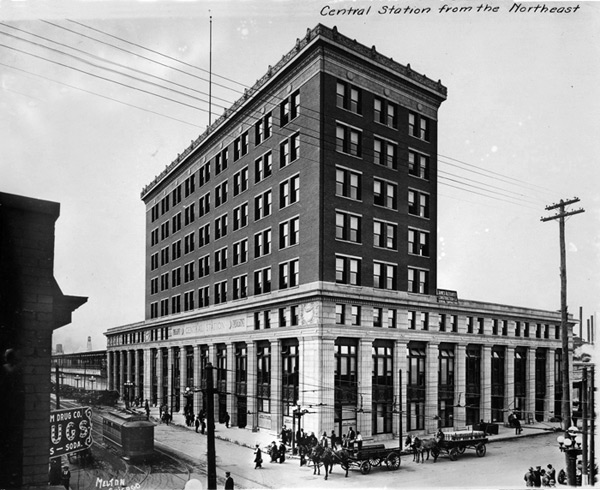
328 457
421 446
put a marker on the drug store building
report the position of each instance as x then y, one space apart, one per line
293 246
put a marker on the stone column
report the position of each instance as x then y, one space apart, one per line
122 374
431 387
365 387
197 392
550 376
509 380
170 359
460 380
276 401
530 380
251 396
109 370
486 383
310 376
137 390
182 376
231 405
400 364
327 395
147 393
159 376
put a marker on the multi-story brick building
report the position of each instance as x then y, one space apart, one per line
32 306
293 246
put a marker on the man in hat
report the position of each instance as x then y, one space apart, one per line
228 481
537 476
529 477
65 476
257 457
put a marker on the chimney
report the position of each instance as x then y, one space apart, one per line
89 344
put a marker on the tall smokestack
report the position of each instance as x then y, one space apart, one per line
89 344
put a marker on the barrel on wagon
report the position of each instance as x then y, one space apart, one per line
131 434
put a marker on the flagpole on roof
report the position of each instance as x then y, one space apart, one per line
210 73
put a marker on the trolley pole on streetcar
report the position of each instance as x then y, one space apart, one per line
210 420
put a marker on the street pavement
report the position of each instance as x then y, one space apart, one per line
235 446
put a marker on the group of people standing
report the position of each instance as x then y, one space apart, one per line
540 477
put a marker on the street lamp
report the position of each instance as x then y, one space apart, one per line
570 444
92 381
77 379
128 384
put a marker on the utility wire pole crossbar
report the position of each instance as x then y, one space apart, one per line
564 323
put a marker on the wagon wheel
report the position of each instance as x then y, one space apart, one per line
392 461
375 461
461 449
454 454
480 449
365 467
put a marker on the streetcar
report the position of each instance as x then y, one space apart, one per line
130 434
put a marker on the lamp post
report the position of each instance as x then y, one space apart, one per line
92 381
128 384
570 444
77 379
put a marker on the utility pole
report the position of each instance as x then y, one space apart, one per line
210 435
564 321
57 388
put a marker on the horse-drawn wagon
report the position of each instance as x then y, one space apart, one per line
374 455
455 443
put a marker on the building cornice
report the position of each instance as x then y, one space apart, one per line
313 36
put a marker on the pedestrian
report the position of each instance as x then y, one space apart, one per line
359 440
282 450
197 423
529 478
351 438
65 477
147 408
551 472
227 419
228 481
203 425
257 457
545 479
537 476
273 452
333 440
518 428
323 440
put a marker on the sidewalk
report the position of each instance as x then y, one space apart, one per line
264 437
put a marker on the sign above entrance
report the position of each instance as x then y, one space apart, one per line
209 327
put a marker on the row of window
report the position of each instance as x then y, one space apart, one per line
385 275
289 235
289 193
348 227
349 140
350 98
288 277
289 109
348 184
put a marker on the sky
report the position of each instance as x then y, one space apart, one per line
518 131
